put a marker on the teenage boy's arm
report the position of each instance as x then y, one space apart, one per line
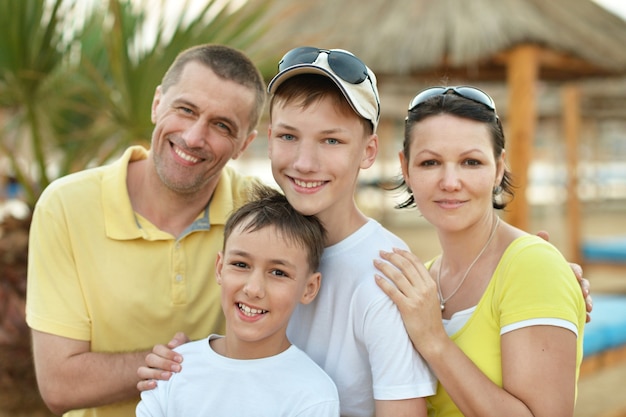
71 377
415 407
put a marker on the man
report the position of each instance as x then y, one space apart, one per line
121 257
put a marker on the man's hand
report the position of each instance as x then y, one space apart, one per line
585 286
161 363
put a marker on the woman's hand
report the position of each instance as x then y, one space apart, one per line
415 294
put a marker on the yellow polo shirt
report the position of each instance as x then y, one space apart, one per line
100 273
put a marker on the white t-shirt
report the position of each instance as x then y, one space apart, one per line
287 384
355 332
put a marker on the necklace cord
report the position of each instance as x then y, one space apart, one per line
442 300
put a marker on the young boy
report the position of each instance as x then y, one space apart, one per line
324 110
267 266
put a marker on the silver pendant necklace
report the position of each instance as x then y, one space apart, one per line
442 300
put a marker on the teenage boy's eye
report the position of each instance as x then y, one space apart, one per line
331 141
239 264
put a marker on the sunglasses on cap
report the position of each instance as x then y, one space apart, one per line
343 64
465 91
347 66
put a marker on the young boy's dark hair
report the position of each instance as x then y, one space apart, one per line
268 207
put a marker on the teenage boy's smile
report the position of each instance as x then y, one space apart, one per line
308 184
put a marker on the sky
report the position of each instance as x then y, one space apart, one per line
616 6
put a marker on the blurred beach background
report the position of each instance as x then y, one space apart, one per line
577 47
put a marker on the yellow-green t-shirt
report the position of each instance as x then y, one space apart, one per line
532 280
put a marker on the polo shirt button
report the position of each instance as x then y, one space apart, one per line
179 278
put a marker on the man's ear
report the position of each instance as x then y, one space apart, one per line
155 103
312 287
247 141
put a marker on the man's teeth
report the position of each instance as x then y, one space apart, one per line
307 184
185 156
250 311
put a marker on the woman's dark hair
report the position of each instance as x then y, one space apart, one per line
456 105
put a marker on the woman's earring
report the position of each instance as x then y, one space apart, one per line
497 190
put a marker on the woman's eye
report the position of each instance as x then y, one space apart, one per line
428 163
239 264
472 162
287 137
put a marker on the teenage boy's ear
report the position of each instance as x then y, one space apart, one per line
370 151
219 264
312 287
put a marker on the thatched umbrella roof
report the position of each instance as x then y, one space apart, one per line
408 37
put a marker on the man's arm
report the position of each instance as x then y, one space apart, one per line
71 377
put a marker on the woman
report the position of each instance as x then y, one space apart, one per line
510 342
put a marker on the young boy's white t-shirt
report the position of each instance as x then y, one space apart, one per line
289 384
355 332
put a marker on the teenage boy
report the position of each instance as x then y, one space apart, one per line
324 110
267 266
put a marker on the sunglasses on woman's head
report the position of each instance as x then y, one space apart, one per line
465 91
348 67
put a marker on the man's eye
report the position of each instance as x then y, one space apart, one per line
224 127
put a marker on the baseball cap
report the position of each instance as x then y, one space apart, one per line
354 79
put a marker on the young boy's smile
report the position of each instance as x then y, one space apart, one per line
316 154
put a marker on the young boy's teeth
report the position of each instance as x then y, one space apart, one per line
250 311
306 184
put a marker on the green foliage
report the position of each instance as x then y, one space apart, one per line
76 86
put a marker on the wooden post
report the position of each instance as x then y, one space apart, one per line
571 128
522 74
